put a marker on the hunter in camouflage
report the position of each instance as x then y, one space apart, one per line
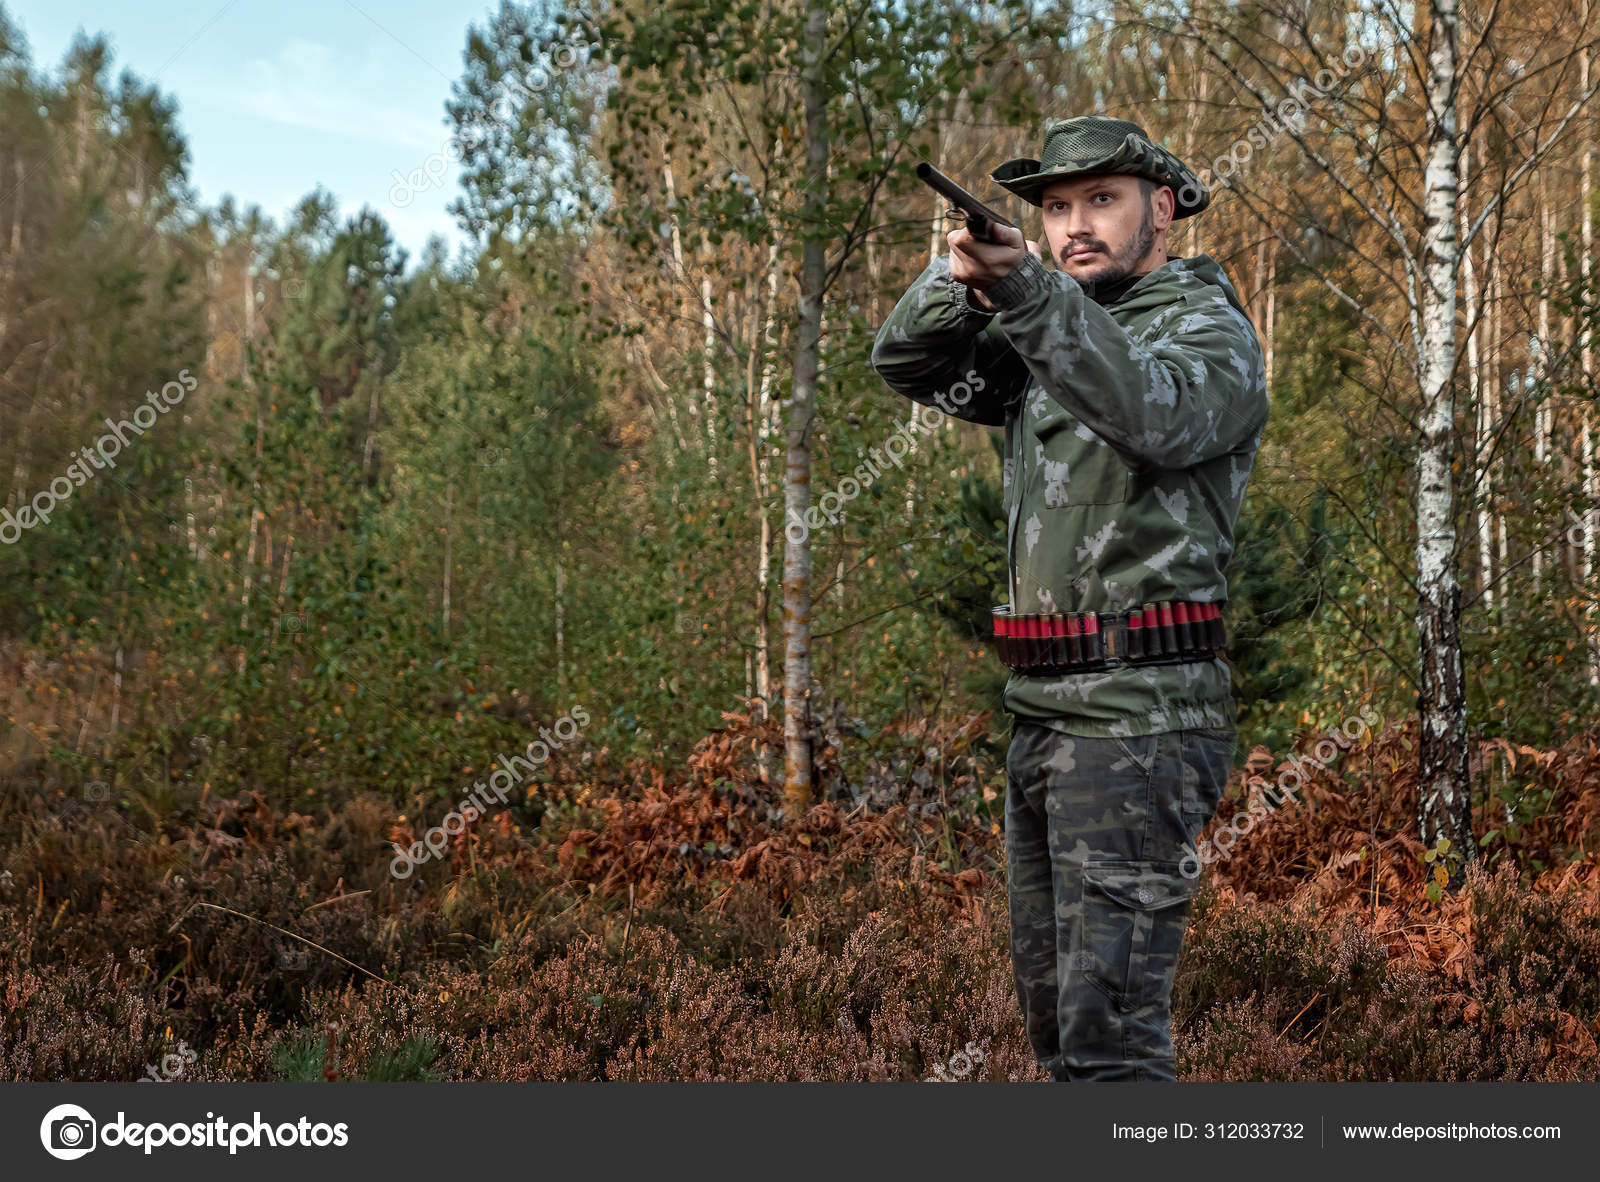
1132 390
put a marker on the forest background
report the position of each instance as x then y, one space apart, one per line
390 526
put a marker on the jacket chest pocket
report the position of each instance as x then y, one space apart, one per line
1071 469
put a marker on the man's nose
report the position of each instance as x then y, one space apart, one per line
1076 225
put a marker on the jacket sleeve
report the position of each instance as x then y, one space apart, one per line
1192 393
939 349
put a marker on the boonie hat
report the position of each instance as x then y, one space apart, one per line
1090 144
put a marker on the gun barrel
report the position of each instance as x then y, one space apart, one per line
980 218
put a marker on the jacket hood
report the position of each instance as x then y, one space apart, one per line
1175 279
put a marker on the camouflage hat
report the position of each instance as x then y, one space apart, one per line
1092 144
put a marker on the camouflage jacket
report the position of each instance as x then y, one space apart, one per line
1131 429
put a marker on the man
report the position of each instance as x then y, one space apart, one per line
1132 390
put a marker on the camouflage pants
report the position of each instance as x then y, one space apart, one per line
1095 830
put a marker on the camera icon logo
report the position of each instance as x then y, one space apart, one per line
67 1132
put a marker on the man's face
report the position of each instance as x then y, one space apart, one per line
1103 228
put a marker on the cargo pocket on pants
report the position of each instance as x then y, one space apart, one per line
1131 934
1207 768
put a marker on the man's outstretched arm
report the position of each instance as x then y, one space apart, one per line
1191 394
941 349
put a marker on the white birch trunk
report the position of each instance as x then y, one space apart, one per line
797 787
1541 360
1473 310
680 274
1497 402
1443 782
759 429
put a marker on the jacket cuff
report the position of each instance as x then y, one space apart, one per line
970 303
1017 285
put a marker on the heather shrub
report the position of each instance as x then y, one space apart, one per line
661 932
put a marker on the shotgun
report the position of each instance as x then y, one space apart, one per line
980 218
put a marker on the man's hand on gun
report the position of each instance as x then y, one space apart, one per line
980 264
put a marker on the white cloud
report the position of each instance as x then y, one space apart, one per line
331 91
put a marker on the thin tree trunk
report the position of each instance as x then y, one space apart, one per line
255 480
1567 553
266 557
680 274
874 280
1272 305
249 308
1473 310
1193 247
757 430
449 503
191 535
1496 402
1591 516
15 253
1444 787
938 230
283 575
709 373
767 416
372 423
116 701
213 282
1258 301
1541 361
561 625
1591 489
797 788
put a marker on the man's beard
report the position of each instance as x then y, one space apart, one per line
1120 265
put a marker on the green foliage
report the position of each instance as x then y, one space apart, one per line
307 1059
524 84
1445 865
1275 580
411 516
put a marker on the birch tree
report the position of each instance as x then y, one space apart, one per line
858 82
1380 101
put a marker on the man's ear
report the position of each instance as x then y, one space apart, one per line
1166 204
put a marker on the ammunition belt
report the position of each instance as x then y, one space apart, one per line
1169 632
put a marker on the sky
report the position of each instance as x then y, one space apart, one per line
278 96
